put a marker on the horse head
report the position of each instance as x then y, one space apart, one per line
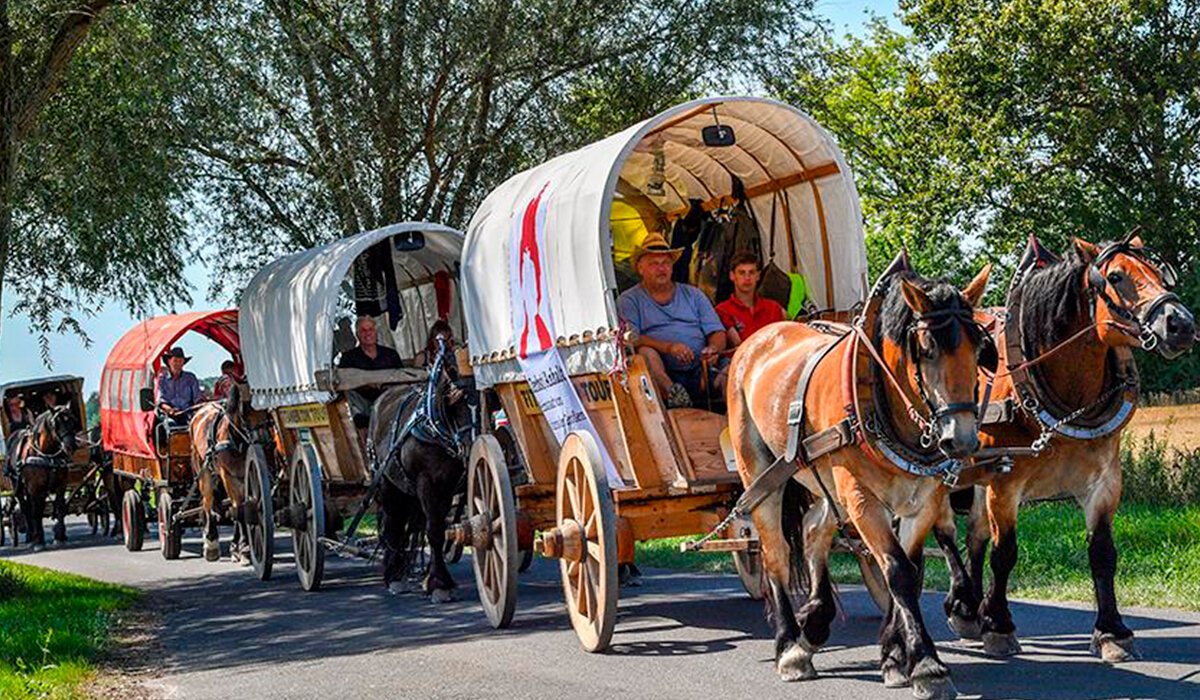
54 432
1131 292
932 341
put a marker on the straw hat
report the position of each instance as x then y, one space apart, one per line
655 244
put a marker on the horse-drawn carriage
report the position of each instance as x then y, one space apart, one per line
406 276
591 456
85 488
150 455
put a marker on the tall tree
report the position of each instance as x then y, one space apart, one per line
336 118
90 193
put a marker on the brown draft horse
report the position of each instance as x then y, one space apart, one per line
41 457
928 340
219 443
1072 313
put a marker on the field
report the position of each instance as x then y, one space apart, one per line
1178 425
52 626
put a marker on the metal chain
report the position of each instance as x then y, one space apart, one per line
1048 431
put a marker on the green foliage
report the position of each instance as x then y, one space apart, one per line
312 120
1159 550
99 194
93 410
51 626
1154 473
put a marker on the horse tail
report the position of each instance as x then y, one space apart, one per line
796 502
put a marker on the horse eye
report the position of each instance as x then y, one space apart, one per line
1114 277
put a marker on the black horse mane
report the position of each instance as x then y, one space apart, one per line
896 318
1052 299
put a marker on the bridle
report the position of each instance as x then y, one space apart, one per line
40 424
1136 313
988 358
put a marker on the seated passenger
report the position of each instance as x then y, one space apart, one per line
745 312
19 417
231 373
368 355
676 324
440 329
176 392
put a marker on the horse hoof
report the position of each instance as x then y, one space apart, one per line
1000 645
964 628
441 595
1113 650
795 664
212 552
935 688
37 548
893 677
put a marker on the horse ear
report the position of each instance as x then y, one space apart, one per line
1087 251
974 291
915 297
1136 242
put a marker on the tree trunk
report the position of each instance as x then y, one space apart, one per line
7 143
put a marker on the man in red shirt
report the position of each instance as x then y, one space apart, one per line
745 312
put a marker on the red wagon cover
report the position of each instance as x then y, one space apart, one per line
133 364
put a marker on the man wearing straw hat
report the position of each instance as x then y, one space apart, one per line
676 324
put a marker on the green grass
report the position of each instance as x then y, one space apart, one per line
51 627
1159 556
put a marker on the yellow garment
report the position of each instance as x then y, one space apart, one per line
628 230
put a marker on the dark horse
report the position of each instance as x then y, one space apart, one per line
417 437
219 443
41 457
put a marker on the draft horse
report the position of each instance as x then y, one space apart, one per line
41 457
219 443
1069 389
417 441
802 440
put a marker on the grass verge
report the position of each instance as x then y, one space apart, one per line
52 625
1158 546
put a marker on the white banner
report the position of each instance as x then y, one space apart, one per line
533 330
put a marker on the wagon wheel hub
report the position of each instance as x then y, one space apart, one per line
566 541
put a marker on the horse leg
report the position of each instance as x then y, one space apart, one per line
919 663
212 536
793 655
60 506
978 538
37 508
816 616
1111 639
112 487
438 582
396 535
999 632
961 605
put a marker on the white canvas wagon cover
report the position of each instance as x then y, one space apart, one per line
785 160
289 310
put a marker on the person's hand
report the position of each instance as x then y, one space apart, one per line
682 352
709 352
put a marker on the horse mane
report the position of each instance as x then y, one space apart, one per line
896 318
233 402
1052 299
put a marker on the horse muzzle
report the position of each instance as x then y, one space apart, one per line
1169 329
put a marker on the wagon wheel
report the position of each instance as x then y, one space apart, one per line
512 458
748 563
308 518
587 521
170 534
490 504
260 513
873 579
132 517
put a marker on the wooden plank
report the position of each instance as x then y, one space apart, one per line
682 118
351 463
345 379
541 455
638 451
764 188
652 417
700 434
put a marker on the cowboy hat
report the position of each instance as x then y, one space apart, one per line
655 244
176 352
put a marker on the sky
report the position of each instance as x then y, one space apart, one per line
20 357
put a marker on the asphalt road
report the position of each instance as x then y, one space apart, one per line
680 635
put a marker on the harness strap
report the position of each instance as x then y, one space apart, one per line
913 413
796 412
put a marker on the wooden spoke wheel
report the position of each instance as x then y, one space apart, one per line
170 534
492 517
260 513
308 503
587 524
874 579
133 517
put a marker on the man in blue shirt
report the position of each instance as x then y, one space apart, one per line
676 324
176 391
